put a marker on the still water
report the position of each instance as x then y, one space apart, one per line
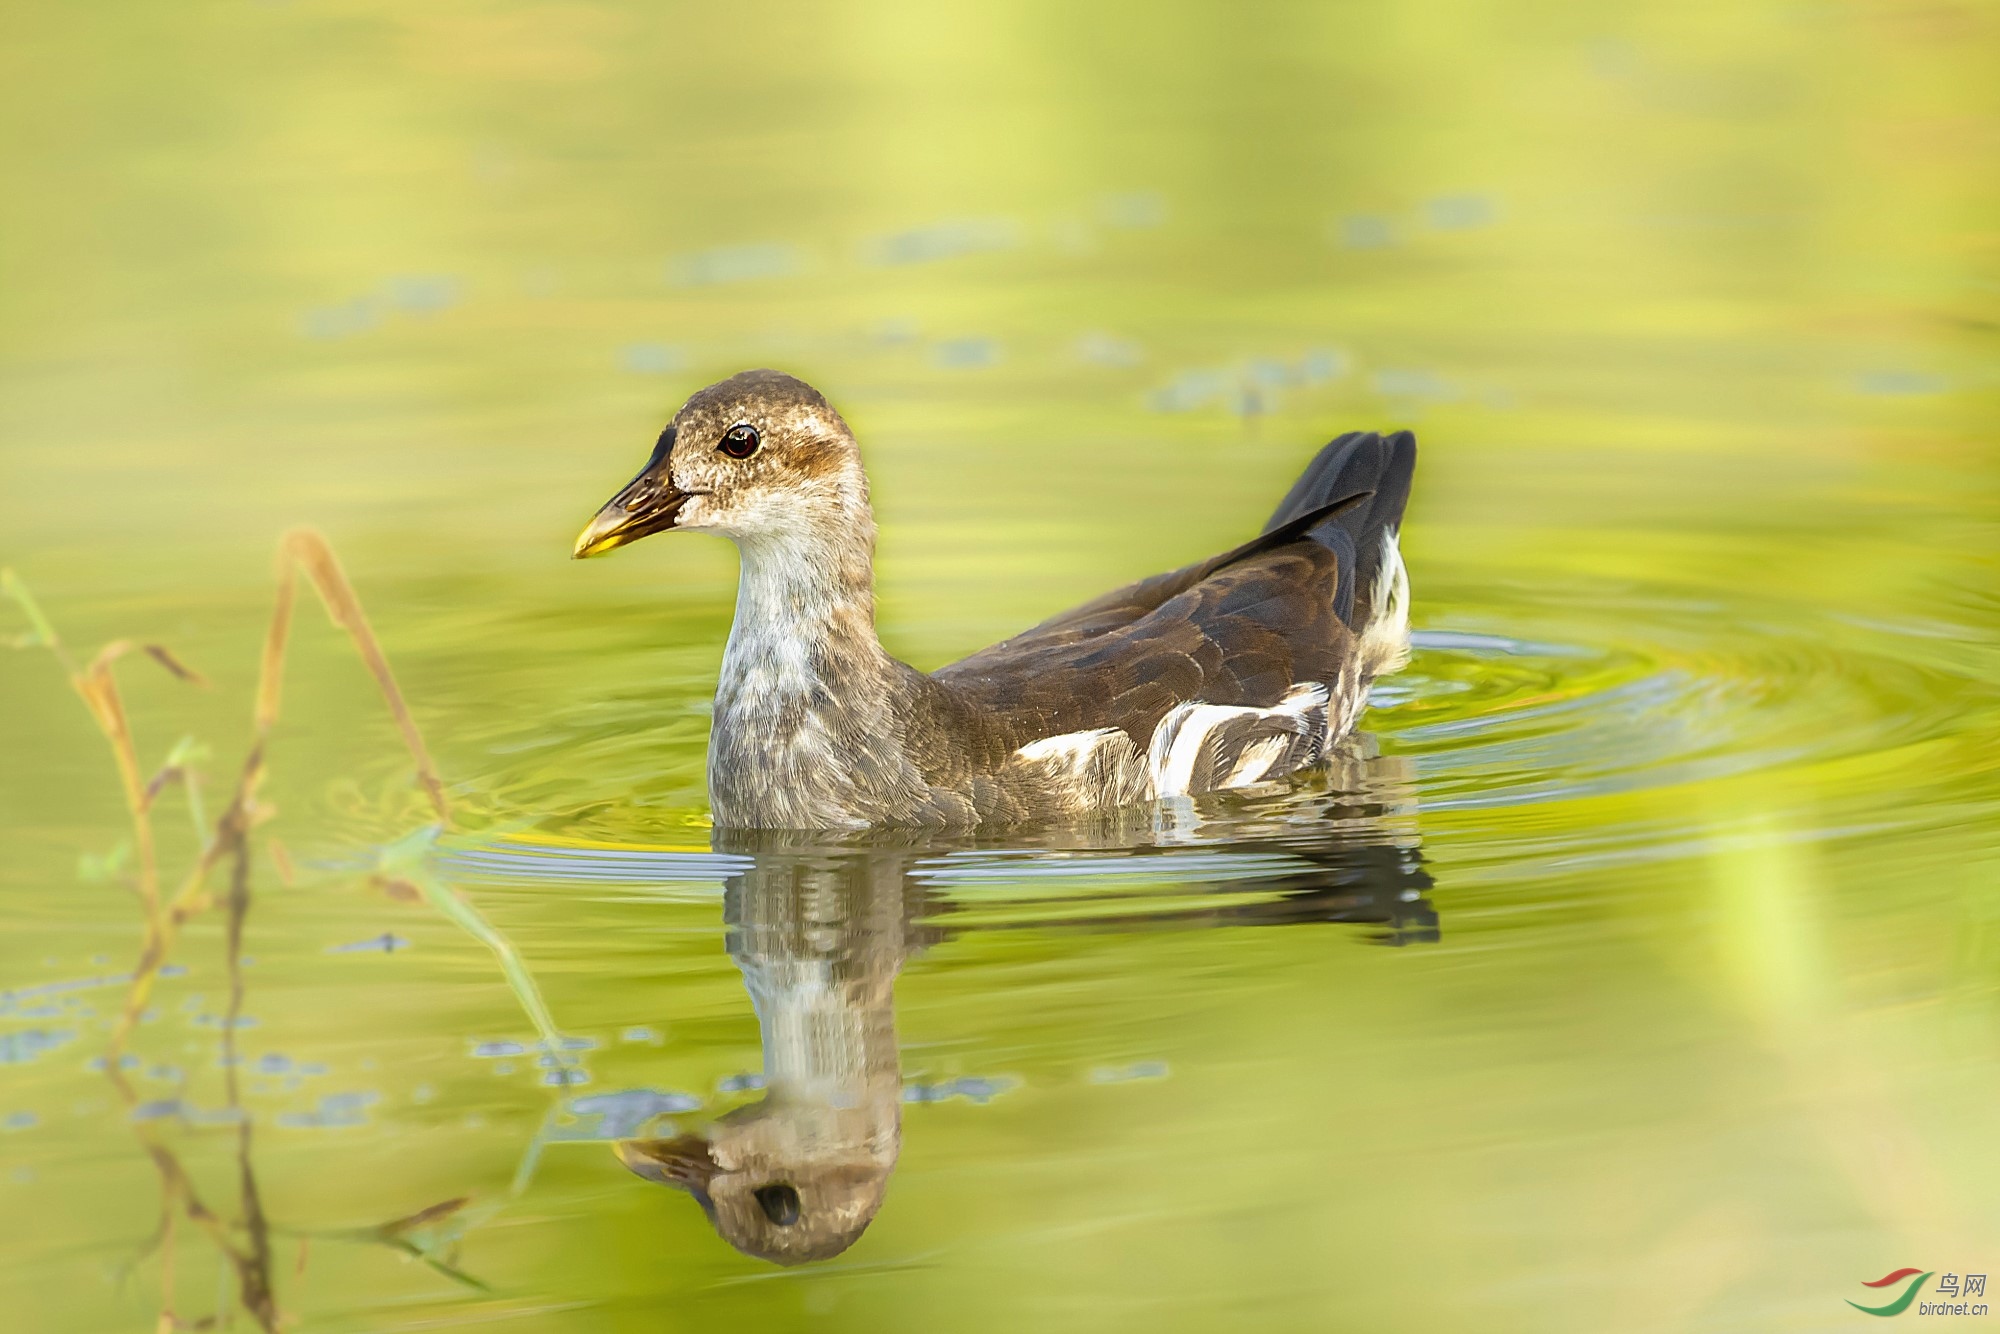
1636 970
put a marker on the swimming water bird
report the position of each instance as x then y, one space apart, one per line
1233 671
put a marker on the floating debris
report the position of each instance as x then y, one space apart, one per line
1425 386
424 293
546 1056
1461 212
734 264
944 240
162 1109
641 1033
1251 387
1320 365
343 320
897 331
332 1111
1901 384
973 1088
1108 349
12 998
1123 1074
1188 390
740 1083
223 1021
1134 210
418 294
966 353
620 1115
1365 231
386 943
651 358
20 1121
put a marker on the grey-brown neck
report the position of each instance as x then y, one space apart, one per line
805 701
802 588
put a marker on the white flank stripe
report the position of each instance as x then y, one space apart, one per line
1178 740
1072 749
1256 761
1173 776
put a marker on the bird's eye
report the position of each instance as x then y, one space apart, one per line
779 1202
739 441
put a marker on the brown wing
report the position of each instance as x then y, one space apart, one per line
1241 628
1124 606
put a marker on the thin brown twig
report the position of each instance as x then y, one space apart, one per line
309 551
300 549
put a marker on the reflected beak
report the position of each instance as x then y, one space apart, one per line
682 1161
649 504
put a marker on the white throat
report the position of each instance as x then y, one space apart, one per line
804 599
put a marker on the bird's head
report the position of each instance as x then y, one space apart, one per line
771 1195
761 453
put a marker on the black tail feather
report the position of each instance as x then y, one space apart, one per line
1357 461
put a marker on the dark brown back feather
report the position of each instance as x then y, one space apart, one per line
1241 628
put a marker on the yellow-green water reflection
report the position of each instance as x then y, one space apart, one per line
1692 309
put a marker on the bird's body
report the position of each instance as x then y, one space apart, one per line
1233 671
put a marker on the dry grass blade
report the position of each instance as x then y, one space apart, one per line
245 1243
310 552
300 549
99 689
161 654
424 1217
43 634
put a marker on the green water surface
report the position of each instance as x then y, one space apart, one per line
1639 974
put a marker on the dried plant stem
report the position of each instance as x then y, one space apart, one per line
245 1245
304 549
300 549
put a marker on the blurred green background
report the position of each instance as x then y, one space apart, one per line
1694 310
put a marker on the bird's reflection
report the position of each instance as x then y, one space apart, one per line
819 932
820 925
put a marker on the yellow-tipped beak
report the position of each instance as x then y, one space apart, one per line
602 534
649 505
